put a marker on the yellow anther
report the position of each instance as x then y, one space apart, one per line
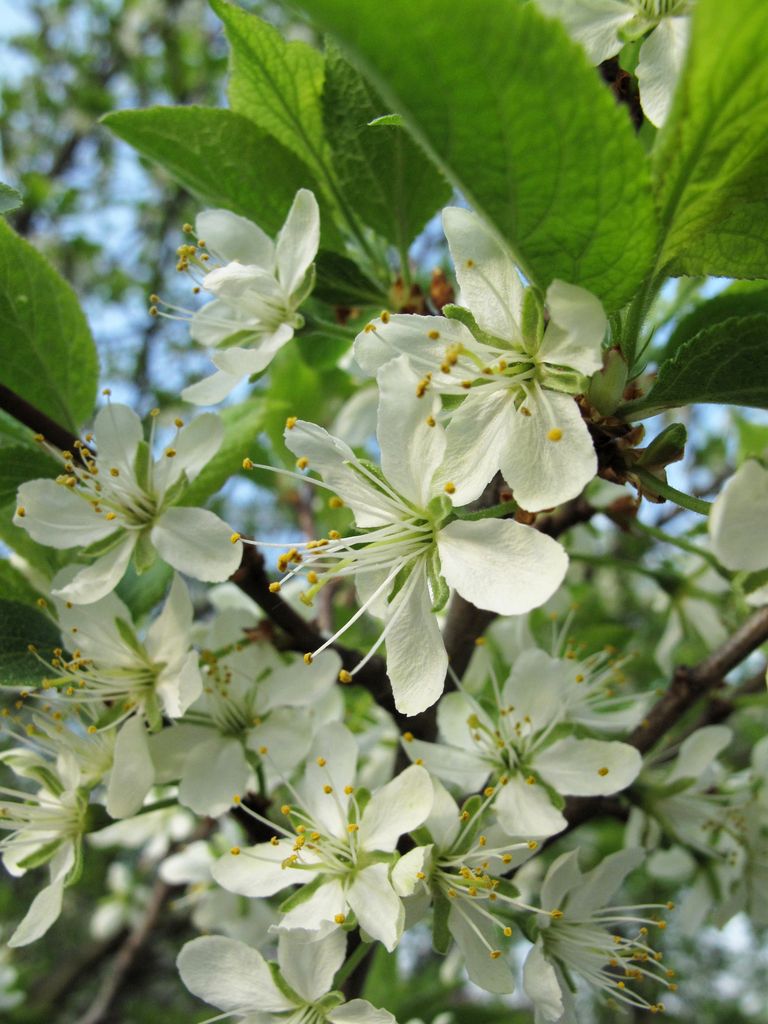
469 264
327 789
236 798
602 771
495 954
110 516
21 511
670 905
579 678
106 392
555 914
344 676
302 463
531 781
321 762
235 851
308 659
420 760
555 434
532 844
430 421
489 791
312 576
352 827
507 932
41 602
334 535
114 471
291 422
349 790
39 438
235 538
525 410
247 463
263 750
274 587
385 316
449 488
179 423
339 918
420 875
434 335
466 384
92 730
369 328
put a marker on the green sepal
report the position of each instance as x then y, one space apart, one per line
506 888
105 545
46 778
153 712
749 582
395 120
557 378
41 856
606 387
438 588
76 871
529 927
282 984
463 315
668 446
142 463
329 1002
362 799
144 553
176 491
440 510
128 636
636 28
400 580
441 933
301 895
532 320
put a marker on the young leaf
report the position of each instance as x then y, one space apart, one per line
512 112
277 85
48 353
710 158
223 158
340 281
387 178
21 626
724 364
19 464
741 299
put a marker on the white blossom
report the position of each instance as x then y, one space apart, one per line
122 502
738 524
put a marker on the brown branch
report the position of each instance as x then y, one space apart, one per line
37 421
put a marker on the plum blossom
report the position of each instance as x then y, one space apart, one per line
258 289
604 26
512 743
409 546
122 503
237 980
738 525
517 377
339 852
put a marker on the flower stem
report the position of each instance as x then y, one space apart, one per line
656 486
506 508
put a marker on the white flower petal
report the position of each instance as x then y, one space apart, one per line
411 449
593 23
489 281
211 390
443 823
465 922
738 523
408 871
214 772
43 911
286 734
424 339
95 581
97 634
168 638
661 61
235 238
217 321
359 1011
501 565
598 886
588 767
229 975
133 772
117 430
377 906
398 807
416 658
526 810
319 912
196 542
477 437
298 685
57 517
563 876
195 446
298 240
463 768
536 688
541 984
577 326
257 870
244 361
453 714
698 751
308 964
549 457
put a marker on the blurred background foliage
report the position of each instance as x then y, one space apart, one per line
110 222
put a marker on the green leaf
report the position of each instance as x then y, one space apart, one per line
223 159
724 364
48 353
277 85
512 112
19 627
386 177
242 426
9 198
710 158
741 299
19 464
142 593
341 282
15 586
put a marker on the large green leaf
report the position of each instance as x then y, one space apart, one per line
277 85
20 463
710 158
15 586
386 177
510 109
9 198
223 158
724 364
741 299
21 626
48 353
